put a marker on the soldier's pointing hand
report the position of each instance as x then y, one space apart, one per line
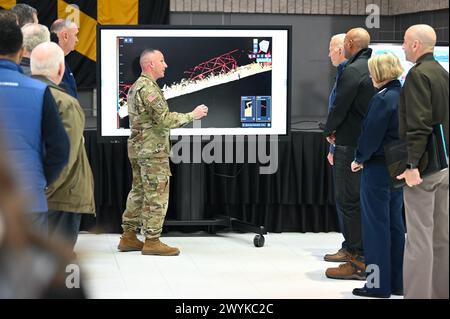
200 111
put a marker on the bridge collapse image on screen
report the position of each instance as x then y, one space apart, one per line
231 75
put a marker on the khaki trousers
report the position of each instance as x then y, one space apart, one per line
425 267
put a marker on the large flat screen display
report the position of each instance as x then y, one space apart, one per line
240 73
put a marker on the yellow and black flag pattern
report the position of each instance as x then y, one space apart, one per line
87 13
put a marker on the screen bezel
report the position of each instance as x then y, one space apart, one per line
120 139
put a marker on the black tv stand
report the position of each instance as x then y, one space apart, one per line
190 186
232 223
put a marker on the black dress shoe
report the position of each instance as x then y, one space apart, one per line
397 292
364 292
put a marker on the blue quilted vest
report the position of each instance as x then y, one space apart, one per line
21 106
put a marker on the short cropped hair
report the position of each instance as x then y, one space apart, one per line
34 34
61 24
338 40
385 67
10 35
50 65
24 13
144 54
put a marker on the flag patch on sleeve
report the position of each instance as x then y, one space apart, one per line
152 97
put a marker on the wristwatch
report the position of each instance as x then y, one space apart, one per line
411 166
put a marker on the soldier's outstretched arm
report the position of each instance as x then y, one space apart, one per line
159 109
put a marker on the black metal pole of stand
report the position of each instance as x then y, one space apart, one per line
192 206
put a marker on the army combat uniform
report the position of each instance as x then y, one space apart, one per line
148 151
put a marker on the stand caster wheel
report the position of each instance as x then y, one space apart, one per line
258 241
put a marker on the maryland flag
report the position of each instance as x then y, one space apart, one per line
87 13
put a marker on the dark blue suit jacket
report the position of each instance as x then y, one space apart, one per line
68 82
380 125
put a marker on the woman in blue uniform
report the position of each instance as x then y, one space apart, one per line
381 206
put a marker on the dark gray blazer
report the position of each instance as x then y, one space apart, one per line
423 104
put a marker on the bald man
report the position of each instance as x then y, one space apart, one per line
424 103
356 40
72 194
354 89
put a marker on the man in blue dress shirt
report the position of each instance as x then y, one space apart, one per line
338 59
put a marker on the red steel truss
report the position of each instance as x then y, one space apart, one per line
221 64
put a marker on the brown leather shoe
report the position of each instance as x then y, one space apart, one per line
340 257
349 270
357 261
154 246
130 242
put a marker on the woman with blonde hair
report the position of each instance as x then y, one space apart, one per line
381 206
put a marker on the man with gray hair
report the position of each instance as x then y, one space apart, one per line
72 194
67 31
25 14
33 34
338 60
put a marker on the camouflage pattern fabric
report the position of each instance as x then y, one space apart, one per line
148 199
151 120
148 151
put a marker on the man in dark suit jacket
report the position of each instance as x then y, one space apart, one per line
353 93
66 32
424 103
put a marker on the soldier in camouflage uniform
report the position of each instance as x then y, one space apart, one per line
148 151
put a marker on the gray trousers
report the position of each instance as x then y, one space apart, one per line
425 266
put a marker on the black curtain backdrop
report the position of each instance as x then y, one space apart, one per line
299 197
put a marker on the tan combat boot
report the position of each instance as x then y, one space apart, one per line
130 242
154 246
